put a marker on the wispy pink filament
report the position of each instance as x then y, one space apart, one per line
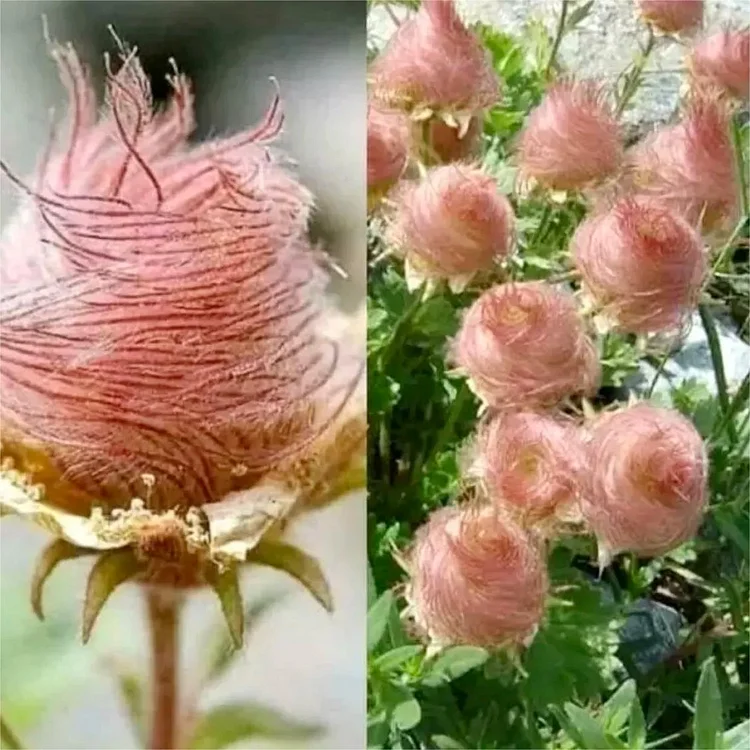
159 308
672 16
524 345
477 579
387 146
722 61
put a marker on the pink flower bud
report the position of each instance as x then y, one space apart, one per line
531 465
446 144
524 345
672 16
689 167
571 139
434 62
722 61
160 305
387 148
476 579
643 265
453 223
647 486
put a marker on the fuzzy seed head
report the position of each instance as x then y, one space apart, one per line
646 491
643 265
524 345
434 62
571 139
672 16
387 148
722 62
476 579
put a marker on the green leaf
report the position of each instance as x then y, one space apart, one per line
8 737
407 714
52 555
578 15
372 591
377 732
589 729
377 620
109 571
617 709
454 662
226 586
707 722
134 698
738 737
395 658
637 727
228 724
297 564
446 743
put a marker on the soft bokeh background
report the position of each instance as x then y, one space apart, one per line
298 659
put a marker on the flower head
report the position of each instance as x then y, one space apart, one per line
476 579
722 61
672 16
571 139
434 63
646 491
387 149
524 345
446 143
453 224
642 264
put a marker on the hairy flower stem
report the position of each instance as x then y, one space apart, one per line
163 616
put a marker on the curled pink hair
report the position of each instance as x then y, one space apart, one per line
722 61
689 167
387 147
672 16
476 579
646 490
524 345
160 309
434 62
453 222
642 263
531 465
571 139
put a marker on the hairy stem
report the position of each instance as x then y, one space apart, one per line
163 616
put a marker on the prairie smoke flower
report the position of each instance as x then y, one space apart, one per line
722 61
441 143
571 139
672 16
646 490
387 150
451 225
689 167
642 264
530 464
524 345
434 63
476 579
161 334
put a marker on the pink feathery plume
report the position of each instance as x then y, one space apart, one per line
646 490
672 16
689 167
643 265
452 223
434 62
159 305
531 465
722 62
571 139
476 579
387 147
523 345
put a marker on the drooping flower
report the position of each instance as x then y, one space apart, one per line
571 139
642 264
689 167
451 225
433 62
476 579
722 61
524 345
387 150
646 488
672 16
531 466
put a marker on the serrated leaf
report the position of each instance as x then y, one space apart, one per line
617 709
707 721
226 586
588 728
454 662
110 571
636 727
298 564
395 658
377 620
408 714
738 737
228 724
52 555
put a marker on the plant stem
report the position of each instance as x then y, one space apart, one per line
8 736
634 81
739 157
163 616
558 38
